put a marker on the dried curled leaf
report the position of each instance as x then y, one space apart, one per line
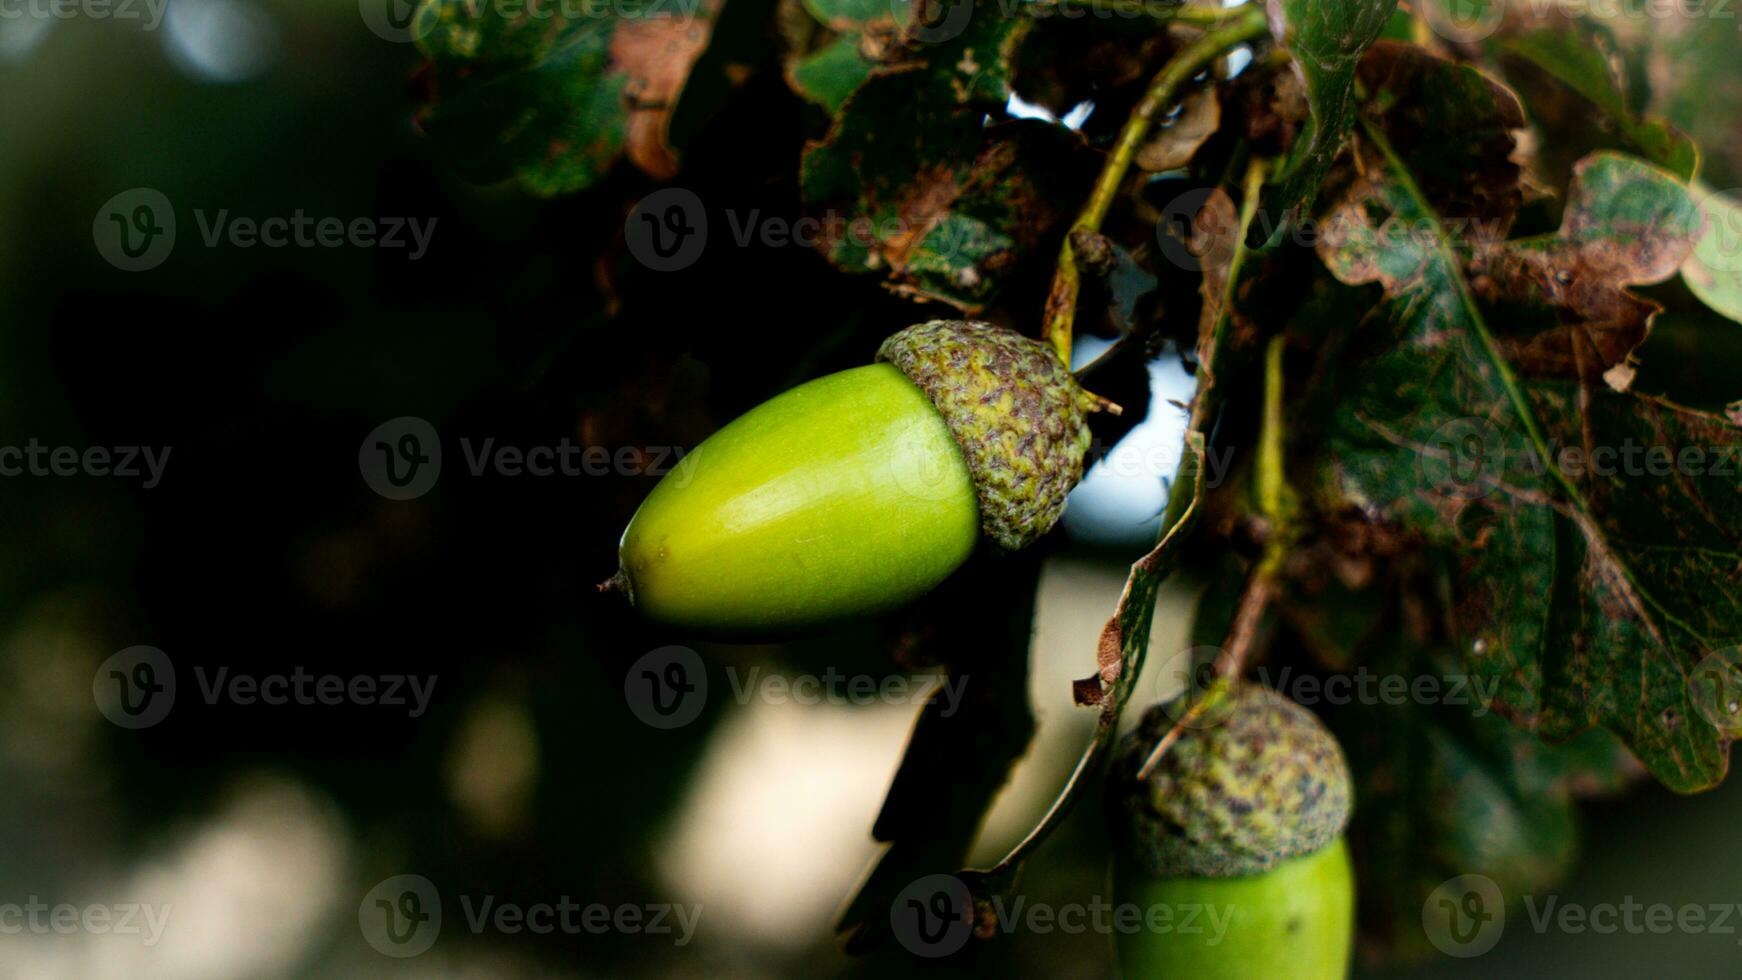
1626 224
1174 145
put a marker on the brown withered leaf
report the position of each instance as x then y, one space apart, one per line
655 54
1215 236
1586 321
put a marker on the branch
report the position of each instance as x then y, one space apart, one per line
1242 25
1276 503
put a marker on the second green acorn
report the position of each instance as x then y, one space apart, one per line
859 491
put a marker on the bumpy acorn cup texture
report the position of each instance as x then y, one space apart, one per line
1267 784
1019 417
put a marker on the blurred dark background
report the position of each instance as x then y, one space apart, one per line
263 550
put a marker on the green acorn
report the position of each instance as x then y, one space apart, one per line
859 491
1241 821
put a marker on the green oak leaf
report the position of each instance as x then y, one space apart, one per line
1577 56
1598 533
866 32
944 206
829 74
1326 39
1714 271
556 98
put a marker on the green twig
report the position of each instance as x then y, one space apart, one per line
1237 27
1179 519
1196 15
1276 502
1273 500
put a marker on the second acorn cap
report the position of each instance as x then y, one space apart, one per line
1267 783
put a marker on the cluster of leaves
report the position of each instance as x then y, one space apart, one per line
1442 239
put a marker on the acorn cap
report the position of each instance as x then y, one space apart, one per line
1019 417
1267 784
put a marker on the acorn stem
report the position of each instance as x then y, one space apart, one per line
1237 28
